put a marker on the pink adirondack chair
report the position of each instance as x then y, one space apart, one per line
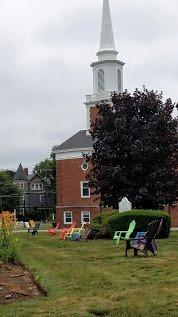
66 231
52 231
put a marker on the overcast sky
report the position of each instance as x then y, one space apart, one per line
46 48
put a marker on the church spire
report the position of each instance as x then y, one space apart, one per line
107 36
108 70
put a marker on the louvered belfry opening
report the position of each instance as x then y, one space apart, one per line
101 80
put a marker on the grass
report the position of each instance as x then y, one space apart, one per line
95 279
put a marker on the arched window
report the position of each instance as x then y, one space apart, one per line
101 80
119 79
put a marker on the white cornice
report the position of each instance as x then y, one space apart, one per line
72 153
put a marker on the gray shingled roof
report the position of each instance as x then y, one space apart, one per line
31 176
77 141
20 174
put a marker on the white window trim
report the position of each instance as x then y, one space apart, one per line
81 189
32 184
68 223
82 214
36 186
22 198
22 185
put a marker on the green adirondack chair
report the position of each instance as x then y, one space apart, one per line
124 235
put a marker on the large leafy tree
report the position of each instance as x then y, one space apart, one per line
47 169
9 193
135 150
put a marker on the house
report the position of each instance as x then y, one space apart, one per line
36 192
75 201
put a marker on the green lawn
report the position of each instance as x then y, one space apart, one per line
95 279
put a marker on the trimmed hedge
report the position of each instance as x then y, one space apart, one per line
99 227
105 224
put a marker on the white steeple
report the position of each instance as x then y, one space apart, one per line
107 71
107 35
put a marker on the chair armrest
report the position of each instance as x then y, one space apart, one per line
132 239
116 232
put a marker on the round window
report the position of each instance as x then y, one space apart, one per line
84 166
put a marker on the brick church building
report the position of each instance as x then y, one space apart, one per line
74 201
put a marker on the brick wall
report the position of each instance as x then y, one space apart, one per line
76 214
93 114
68 188
174 217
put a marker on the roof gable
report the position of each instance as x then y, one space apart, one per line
20 174
78 141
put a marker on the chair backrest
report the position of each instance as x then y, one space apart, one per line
73 225
131 229
37 227
27 224
152 231
83 224
160 228
57 226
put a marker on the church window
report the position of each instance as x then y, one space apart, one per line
67 217
85 216
85 190
100 80
119 80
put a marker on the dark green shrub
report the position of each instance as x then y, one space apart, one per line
105 226
99 227
35 215
121 221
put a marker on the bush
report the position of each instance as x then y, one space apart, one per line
30 215
9 248
99 228
105 226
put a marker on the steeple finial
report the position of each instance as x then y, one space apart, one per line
107 36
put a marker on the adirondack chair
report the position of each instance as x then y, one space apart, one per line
35 229
122 235
75 236
144 243
27 226
52 231
84 234
65 231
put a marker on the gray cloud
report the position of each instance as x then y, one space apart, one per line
46 48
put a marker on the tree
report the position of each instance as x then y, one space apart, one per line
10 173
9 193
47 169
135 150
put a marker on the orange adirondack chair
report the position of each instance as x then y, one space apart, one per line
66 231
52 231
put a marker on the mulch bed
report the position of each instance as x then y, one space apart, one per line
17 284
